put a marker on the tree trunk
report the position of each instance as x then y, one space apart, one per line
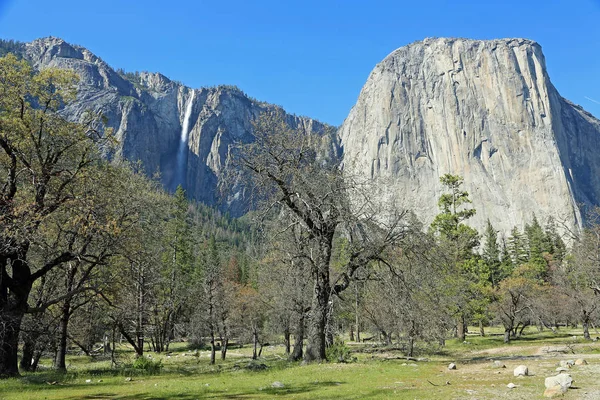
586 326
139 351
106 347
61 353
522 329
36 360
411 345
9 343
28 353
14 293
139 325
507 335
298 340
460 328
481 329
387 337
356 315
286 339
317 320
255 340
213 349
224 343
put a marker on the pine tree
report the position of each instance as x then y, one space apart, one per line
449 224
517 248
459 240
535 245
491 254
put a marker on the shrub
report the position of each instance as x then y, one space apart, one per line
148 365
338 351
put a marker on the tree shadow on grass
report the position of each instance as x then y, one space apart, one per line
265 392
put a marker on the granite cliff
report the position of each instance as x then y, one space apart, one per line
485 110
148 112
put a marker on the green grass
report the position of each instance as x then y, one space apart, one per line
378 375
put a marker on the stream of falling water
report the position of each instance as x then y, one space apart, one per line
180 175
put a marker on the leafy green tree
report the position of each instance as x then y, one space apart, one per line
45 161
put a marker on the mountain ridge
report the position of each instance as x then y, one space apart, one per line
482 109
147 112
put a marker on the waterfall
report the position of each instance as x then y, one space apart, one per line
180 173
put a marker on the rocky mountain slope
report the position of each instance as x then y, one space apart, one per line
485 110
148 113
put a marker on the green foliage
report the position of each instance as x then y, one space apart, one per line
449 224
147 365
11 46
494 257
517 248
338 352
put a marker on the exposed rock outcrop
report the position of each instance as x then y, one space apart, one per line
485 110
147 110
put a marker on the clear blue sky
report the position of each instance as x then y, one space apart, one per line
311 57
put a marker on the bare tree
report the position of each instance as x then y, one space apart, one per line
288 172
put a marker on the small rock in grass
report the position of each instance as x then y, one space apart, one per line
256 366
580 361
88 381
498 364
564 364
563 380
562 369
571 362
277 385
99 380
451 366
128 379
555 391
511 385
521 370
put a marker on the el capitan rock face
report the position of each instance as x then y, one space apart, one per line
485 110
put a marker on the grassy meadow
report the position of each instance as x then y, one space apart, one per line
376 373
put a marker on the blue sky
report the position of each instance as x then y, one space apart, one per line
311 57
